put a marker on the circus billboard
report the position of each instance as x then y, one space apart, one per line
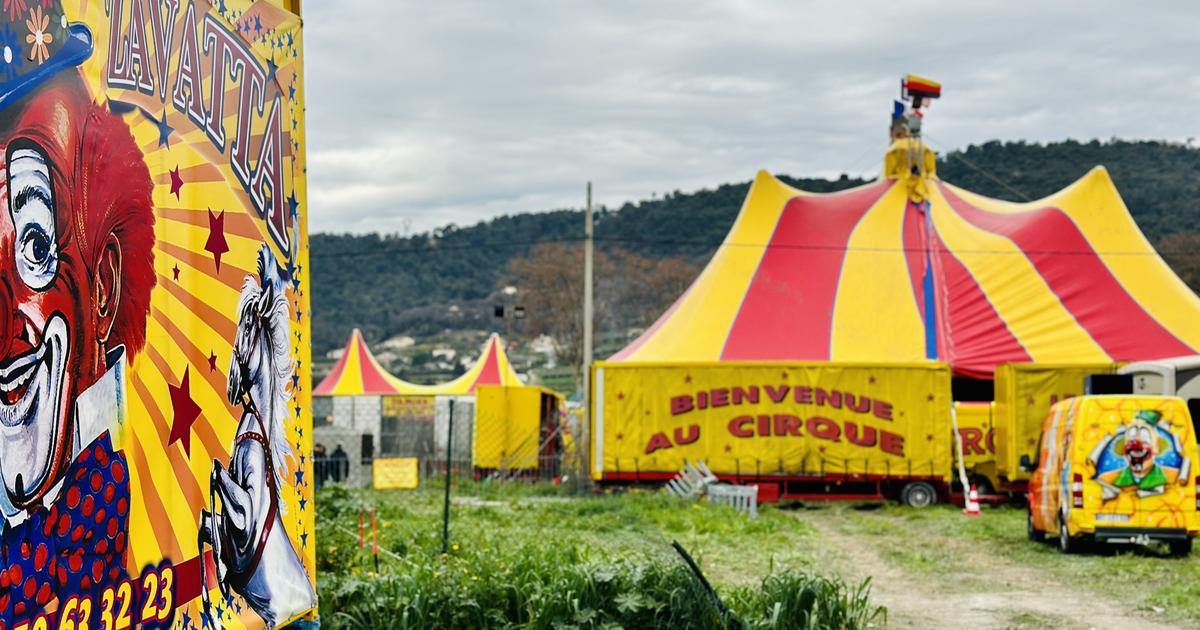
154 352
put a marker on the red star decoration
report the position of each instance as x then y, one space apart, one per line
212 361
216 244
185 411
175 272
176 182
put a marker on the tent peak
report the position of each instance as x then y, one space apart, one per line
1099 170
910 162
1097 176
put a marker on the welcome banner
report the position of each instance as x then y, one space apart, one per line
805 419
154 354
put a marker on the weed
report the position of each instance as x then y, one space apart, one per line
529 559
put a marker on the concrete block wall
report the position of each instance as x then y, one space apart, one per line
464 426
406 437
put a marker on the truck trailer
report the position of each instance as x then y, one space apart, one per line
796 430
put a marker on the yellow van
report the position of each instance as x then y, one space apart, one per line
1116 469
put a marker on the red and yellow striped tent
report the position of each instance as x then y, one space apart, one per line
914 268
358 373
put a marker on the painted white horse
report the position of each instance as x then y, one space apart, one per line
251 550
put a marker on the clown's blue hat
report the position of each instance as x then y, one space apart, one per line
35 44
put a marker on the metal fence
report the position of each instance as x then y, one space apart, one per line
480 444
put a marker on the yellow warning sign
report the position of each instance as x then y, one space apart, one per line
395 472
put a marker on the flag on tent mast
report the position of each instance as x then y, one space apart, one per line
919 89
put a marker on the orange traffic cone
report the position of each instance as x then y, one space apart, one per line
972 508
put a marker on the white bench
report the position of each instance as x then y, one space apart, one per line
743 498
691 481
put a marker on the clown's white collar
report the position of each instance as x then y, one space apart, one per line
101 407
97 409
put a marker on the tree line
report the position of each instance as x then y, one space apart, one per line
648 251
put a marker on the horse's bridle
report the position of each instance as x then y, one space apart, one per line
239 578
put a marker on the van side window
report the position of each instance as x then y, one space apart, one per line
1194 411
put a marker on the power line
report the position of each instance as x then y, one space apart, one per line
765 246
513 244
958 155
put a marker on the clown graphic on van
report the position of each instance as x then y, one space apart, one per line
1141 457
1116 469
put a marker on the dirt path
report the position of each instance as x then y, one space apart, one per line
1000 593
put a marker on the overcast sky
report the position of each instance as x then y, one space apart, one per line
427 113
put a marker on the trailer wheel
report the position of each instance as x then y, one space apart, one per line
1032 532
1180 548
918 494
982 485
1066 544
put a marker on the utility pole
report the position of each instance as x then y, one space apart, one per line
587 325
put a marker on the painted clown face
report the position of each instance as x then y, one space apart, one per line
60 274
1141 446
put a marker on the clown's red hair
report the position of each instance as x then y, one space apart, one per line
107 186
115 191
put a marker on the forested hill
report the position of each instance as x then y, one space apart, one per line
389 284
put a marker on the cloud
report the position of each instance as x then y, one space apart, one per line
423 114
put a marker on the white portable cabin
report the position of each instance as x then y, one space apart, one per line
1178 376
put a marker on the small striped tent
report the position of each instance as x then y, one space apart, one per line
400 418
358 373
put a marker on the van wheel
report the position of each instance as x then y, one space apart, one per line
918 494
1066 544
1032 532
1180 548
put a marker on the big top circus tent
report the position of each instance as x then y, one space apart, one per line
830 333
872 274
358 373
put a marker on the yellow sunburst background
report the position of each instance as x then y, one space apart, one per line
194 317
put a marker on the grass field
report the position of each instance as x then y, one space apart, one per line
526 556
555 561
